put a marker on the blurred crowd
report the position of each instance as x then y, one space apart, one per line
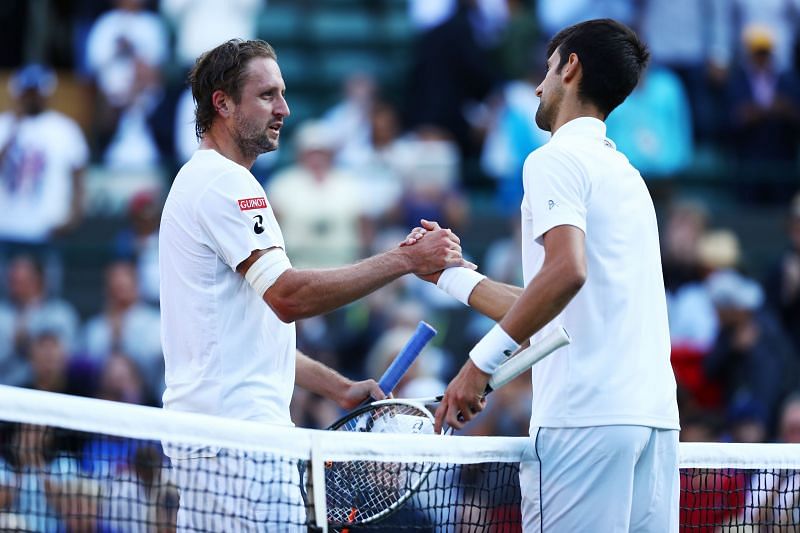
445 141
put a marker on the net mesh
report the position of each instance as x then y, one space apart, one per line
73 464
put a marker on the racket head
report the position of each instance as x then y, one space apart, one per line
363 492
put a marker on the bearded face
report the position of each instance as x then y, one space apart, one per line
253 136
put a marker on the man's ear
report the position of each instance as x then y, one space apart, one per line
572 67
220 101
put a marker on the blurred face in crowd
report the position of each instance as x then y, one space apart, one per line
257 118
790 423
48 362
120 381
732 317
121 285
31 102
24 281
761 58
384 125
550 93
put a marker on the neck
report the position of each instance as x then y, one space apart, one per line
223 143
568 113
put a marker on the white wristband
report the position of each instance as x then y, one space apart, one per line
493 349
459 282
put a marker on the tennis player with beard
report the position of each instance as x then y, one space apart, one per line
604 425
229 296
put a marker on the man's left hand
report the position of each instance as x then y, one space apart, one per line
463 399
358 391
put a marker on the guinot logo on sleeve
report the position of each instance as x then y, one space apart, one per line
246 204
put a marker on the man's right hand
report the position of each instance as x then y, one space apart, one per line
433 250
429 231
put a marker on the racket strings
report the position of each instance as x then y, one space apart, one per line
362 491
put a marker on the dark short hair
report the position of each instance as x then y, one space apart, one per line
612 59
222 68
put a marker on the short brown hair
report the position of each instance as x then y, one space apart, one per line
222 68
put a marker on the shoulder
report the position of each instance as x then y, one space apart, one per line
552 157
57 119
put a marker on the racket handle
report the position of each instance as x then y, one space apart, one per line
406 357
528 357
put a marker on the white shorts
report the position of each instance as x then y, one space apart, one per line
602 478
239 492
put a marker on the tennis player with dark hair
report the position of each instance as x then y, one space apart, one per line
229 295
604 425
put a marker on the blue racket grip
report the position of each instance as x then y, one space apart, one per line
406 357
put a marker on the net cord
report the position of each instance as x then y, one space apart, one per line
149 423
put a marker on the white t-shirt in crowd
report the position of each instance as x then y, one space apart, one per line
226 353
617 368
42 153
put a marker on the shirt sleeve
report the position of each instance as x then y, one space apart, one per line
234 214
556 192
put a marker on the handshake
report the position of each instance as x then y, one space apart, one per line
431 249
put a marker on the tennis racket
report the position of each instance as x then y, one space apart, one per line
391 377
361 492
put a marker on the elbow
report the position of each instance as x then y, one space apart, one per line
574 278
287 310
285 299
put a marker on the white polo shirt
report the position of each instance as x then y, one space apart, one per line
617 368
226 353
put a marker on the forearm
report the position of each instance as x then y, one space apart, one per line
299 294
543 299
318 378
493 298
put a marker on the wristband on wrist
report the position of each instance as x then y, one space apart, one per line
493 349
459 282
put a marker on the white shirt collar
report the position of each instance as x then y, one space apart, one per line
583 127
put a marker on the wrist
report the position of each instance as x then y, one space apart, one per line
459 282
493 349
403 258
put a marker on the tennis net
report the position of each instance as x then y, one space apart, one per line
78 464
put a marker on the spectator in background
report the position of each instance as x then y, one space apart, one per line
430 167
121 381
28 313
554 15
693 322
686 36
780 16
513 134
763 104
319 205
49 363
200 25
33 469
783 284
351 117
126 47
687 221
751 358
203 24
653 127
449 71
375 161
772 498
129 326
138 242
43 155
